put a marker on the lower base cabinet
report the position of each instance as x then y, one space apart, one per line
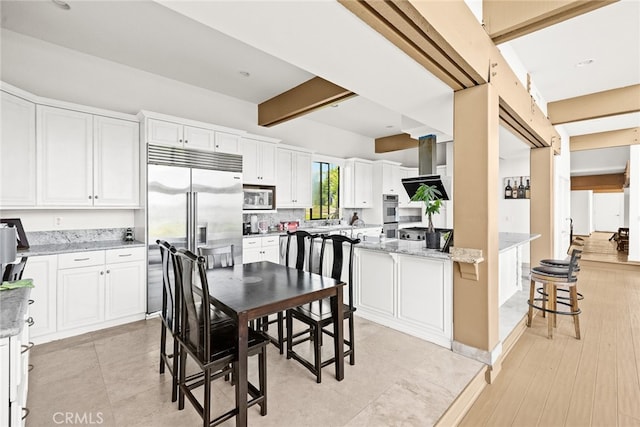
412 294
14 377
79 292
256 249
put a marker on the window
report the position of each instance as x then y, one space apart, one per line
325 191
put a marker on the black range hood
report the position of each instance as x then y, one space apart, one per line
412 184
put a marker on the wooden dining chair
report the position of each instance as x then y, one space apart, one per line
318 316
304 250
211 346
13 272
217 257
168 316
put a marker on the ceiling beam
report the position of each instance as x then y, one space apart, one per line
459 52
595 105
613 182
300 100
401 141
505 20
613 138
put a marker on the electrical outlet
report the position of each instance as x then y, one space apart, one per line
58 220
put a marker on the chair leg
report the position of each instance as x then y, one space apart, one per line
280 332
163 343
317 346
289 335
548 290
532 291
181 381
262 379
352 342
206 407
573 293
174 380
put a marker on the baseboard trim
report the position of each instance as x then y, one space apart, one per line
461 405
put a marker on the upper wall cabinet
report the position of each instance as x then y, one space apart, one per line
17 152
294 179
258 161
86 160
403 198
181 135
358 187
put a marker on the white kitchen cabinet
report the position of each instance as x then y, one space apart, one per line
412 294
403 198
64 157
391 178
116 164
17 152
165 132
43 271
86 160
256 249
125 282
258 162
294 179
358 184
80 289
228 143
14 378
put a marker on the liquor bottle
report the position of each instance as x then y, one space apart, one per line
521 190
508 190
527 191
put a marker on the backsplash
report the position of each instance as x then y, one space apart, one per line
75 236
297 215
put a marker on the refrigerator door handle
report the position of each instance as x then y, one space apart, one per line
189 216
194 223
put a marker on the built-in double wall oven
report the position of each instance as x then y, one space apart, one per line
390 216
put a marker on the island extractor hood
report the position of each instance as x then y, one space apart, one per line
426 166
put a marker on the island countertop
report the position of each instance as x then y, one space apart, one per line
406 247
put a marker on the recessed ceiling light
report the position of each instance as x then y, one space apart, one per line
334 105
389 126
244 73
585 62
61 4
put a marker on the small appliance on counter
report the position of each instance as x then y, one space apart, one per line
254 224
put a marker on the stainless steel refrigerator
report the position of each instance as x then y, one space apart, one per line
194 198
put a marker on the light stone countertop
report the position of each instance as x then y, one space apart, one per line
60 248
508 241
318 229
405 247
13 307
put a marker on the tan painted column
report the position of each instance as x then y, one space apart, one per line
475 219
541 204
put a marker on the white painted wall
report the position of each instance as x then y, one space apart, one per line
582 212
634 203
514 215
608 211
625 221
562 195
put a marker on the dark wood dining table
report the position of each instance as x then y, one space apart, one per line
251 291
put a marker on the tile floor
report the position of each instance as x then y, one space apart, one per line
111 378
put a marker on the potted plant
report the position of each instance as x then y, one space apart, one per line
430 195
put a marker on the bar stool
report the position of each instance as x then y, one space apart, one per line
552 278
577 243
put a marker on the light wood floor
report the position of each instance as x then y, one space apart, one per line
564 381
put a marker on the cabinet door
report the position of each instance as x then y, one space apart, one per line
42 270
228 143
124 289
80 297
161 132
251 255
302 180
285 197
17 152
271 254
116 162
65 157
250 161
391 179
363 185
268 173
375 282
199 138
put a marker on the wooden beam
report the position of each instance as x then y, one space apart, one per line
302 99
401 141
459 52
606 183
505 20
601 104
613 138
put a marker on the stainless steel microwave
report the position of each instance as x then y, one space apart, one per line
258 197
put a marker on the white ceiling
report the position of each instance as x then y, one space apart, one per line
282 44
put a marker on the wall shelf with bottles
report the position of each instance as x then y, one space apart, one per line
517 187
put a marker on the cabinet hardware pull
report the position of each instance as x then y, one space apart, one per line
95 197
102 273
89 197
108 271
123 255
179 140
81 259
30 321
26 348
